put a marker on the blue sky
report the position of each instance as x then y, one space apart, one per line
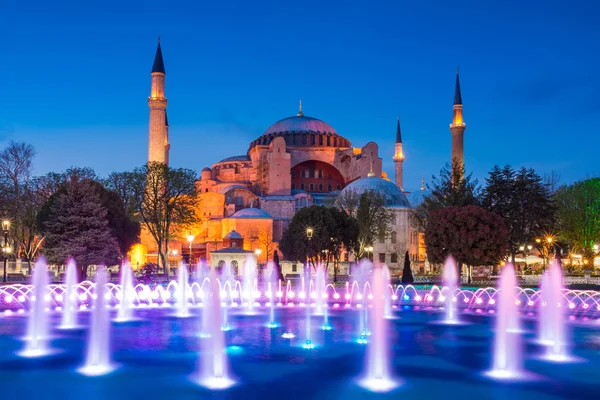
76 77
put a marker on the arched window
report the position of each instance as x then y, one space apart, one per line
312 139
329 187
393 237
320 187
320 173
234 267
220 266
320 140
302 186
303 139
293 186
339 187
311 187
329 176
293 174
328 141
233 245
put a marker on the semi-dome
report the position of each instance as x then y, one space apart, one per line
416 198
251 212
301 130
391 193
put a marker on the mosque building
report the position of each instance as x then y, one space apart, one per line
297 162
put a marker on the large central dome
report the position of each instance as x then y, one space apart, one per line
300 124
301 130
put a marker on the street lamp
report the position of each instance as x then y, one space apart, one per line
309 235
369 250
190 239
5 245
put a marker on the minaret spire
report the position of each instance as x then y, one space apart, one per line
399 157
158 132
422 183
457 128
398 132
300 113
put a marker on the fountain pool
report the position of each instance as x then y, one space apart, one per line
157 354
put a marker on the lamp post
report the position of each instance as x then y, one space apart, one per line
5 245
309 235
190 239
369 250
257 252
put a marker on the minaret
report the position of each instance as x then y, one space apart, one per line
399 157
158 133
457 127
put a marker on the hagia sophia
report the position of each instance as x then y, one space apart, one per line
248 200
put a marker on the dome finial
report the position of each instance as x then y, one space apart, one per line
300 113
371 173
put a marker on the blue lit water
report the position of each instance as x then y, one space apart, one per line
157 354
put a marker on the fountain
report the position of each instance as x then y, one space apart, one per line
507 360
127 294
37 326
182 292
69 320
387 311
450 276
378 377
249 278
97 361
308 344
552 328
212 363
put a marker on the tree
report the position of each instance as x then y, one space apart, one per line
578 216
16 164
471 234
407 275
120 183
452 188
123 227
164 198
77 226
333 230
523 200
373 218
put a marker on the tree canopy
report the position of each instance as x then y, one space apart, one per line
578 215
77 226
332 230
451 188
523 200
471 234
164 198
369 211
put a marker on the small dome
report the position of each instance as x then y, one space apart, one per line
233 235
417 197
206 169
391 193
251 212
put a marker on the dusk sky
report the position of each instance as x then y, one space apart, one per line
76 78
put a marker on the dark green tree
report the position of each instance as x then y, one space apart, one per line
333 230
523 200
578 216
77 226
120 183
451 188
407 275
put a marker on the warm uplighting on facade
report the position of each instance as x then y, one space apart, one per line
137 255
